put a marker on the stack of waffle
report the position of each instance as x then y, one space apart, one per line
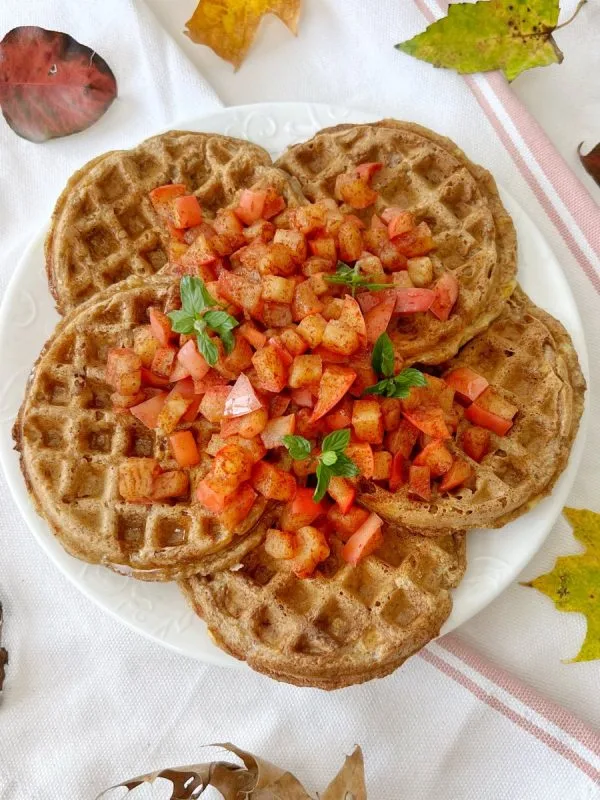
107 264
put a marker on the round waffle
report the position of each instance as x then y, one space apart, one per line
343 626
529 358
104 228
430 176
71 443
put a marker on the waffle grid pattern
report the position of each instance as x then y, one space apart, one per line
104 226
528 357
429 176
72 442
344 626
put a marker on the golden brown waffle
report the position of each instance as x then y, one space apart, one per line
71 442
104 228
345 625
529 358
430 176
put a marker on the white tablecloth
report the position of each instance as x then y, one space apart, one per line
88 702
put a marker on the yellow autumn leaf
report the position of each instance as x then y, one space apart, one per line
229 26
574 582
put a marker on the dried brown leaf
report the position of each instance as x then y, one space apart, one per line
256 780
349 783
234 782
591 162
3 652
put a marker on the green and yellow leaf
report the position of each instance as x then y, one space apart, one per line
510 35
574 582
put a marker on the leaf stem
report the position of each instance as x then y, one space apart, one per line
580 5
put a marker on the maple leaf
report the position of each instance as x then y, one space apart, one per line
229 26
50 84
591 162
574 582
511 35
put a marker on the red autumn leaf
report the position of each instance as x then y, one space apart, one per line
591 162
50 85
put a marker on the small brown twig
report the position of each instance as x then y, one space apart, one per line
3 652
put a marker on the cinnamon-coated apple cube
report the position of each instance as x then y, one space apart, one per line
277 289
350 242
382 469
332 308
145 344
295 241
276 260
340 339
367 420
311 329
305 302
420 271
306 370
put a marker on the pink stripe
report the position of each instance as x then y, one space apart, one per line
555 714
493 702
567 185
572 193
425 10
535 187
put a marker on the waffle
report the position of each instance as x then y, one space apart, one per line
345 625
104 228
529 358
71 442
428 175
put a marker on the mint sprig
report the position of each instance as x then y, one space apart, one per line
351 277
197 317
332 461
382 357
382 360
298 447
399 385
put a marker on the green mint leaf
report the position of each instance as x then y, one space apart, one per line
220 319
377 388
329 458
227 338
382 358
345 467
200 325
337 441
298 447
181 321
194 295
207 348
410 377
372 287
222 324
344 275
351 277
345 269
323 477
400 385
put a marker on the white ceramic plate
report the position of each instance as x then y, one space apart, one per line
27 318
